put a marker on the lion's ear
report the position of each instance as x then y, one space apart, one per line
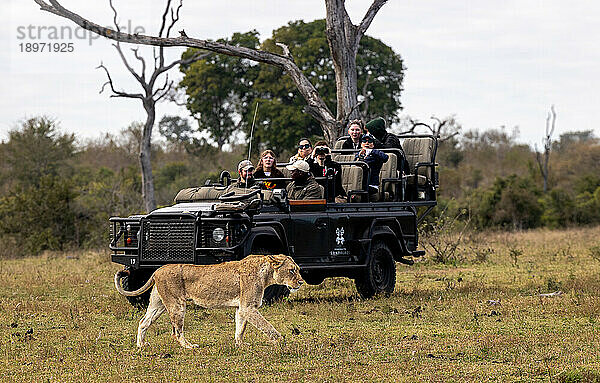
276 260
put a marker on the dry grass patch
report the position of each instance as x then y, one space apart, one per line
475 320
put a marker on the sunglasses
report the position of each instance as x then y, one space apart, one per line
305 146
367 140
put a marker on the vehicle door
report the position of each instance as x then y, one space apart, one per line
310 231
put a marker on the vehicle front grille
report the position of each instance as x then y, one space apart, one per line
168 240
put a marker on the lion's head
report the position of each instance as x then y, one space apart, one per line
286 271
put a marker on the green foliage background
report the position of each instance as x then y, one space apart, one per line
57 193
223 91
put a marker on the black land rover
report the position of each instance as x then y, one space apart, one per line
359 238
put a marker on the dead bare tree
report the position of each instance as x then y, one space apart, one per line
544 159
343 37
442 129
152 93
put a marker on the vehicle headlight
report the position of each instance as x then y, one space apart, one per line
218 234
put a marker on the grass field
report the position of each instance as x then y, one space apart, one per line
477 319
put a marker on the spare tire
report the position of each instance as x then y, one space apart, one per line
134 280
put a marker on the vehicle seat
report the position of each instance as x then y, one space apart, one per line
353 177
419 150
388 170
340 141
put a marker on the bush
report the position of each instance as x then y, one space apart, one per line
105 193
40 217
558 209
512 202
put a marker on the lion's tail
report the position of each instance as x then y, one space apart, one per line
119 275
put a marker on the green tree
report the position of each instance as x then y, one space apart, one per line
36 150
40 217
219 89
175 129
512 202
281 120
37 210
558 209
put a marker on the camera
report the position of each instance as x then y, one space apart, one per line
321 150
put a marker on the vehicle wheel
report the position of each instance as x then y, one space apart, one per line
273 293
313 278
380 273
133 281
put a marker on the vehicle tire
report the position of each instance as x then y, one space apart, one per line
133 281
273 293
380 274
313 278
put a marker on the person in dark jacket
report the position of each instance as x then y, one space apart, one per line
374 158
304 185
323 166
355 130
266 168
386 140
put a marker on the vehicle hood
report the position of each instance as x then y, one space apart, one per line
186 208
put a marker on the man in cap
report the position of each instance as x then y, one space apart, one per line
246 177
386 140
303 185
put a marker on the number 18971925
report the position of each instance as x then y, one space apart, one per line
47 47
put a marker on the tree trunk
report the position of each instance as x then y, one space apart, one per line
343 42
145 157
546 160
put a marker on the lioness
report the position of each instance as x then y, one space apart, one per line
238 284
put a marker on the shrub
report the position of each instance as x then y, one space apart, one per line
511 202
40 217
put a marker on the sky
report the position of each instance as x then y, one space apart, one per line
490 63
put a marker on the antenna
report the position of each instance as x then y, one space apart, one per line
252 131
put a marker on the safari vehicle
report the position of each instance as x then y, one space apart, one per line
359 239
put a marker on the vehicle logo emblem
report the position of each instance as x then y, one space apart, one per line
339 240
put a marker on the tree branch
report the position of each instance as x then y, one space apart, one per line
417 123
365 93
137 56
165 86
114 15
286 50
139 78
346 118
174 17
164 18
306 88
449 136
116 93
174 96
369 16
